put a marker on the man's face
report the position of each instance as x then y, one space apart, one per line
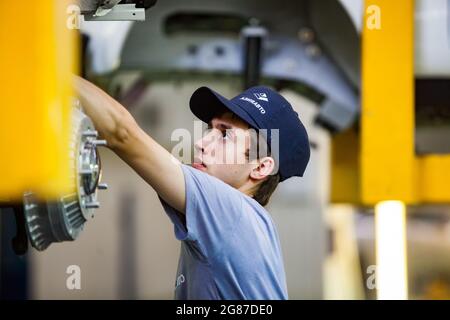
222 150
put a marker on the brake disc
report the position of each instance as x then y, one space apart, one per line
47 222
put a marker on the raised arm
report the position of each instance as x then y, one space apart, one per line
124 136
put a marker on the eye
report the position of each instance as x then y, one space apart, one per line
226 134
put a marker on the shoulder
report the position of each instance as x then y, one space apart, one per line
201 181
255 211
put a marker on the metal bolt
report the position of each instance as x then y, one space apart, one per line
90 133
92 205
99 143
102 186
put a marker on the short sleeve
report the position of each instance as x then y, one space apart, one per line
213 210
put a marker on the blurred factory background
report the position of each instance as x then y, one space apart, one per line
375 100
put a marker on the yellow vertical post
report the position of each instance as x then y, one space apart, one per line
37 59
386 167
387 120
387 134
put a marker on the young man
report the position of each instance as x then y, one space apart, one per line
229 244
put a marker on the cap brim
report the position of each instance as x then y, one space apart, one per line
205 104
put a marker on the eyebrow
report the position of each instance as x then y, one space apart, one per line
221 123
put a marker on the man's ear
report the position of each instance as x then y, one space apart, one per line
265 167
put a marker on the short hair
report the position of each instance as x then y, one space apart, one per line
266 188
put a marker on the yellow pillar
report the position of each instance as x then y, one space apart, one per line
387 117
387 135
37 59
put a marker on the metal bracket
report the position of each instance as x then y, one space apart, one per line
120 12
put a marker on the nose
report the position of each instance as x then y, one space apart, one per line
199 146
205 143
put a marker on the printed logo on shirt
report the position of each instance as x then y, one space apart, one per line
180 280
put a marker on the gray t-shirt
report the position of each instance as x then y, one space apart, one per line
229 245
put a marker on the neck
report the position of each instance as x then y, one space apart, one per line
249 188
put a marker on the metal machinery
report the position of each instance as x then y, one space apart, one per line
289 49
115 10
45 222
63 220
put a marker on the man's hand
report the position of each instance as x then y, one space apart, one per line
124 136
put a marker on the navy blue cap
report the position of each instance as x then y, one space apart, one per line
262 108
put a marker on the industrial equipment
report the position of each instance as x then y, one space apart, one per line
44 222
